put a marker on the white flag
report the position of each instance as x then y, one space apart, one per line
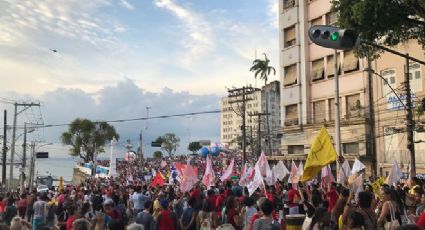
394 175
270 179
226 175
358 184
300 170
256 182
357 166
280 171
344 172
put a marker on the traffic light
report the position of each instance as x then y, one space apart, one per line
334 37
156 144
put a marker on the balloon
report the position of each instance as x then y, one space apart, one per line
215 151
203 152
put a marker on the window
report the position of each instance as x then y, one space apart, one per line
351 148
415 77
389 76
295 149
290 38
317 70
330 65
332 18
291 114
332 109
353 105
319 111
290 76
288 4
316 21
351 62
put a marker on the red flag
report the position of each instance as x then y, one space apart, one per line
158 180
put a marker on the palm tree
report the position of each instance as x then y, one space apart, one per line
262 69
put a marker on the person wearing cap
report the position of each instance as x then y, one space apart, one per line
167 219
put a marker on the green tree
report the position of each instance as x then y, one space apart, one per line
194 146
87 137
386 22
170 143
157 154
262 69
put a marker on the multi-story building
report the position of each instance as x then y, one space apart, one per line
273 98
231 119
390 113
307 85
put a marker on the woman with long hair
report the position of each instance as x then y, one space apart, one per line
391 205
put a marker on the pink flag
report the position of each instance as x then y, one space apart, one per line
262 164
327 177
189 178
163 164
226 175
294 177
246 174
256 182
208 178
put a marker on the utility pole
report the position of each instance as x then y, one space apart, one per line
410 122
12 147
24 160
32 166
3 169
259 115
240 95
372 145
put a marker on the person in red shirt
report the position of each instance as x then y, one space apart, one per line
293 198
332 196
167 219
212 199
219 202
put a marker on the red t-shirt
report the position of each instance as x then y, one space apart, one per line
291 196
219 201
332 198
212 201
113 214
166 222
421 220
70 221
253 218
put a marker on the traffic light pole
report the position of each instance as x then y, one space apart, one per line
337 114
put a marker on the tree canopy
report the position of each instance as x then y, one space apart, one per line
170 143
385 22
86 137
157 154
194 146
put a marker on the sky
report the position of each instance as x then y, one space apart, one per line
110 59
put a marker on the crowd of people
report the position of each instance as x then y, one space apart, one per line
129 201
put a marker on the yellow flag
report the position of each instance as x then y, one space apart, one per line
322 153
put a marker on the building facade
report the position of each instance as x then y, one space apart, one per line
231 120
390 114
308 88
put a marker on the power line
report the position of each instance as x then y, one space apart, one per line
139 118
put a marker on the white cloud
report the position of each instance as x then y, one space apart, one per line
125 100
24 21
127 5
198 30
